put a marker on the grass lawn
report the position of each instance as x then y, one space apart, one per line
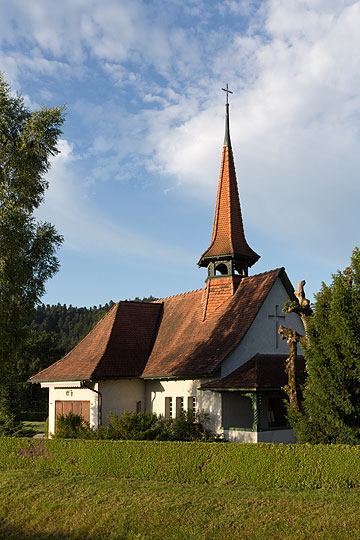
35 427
40 506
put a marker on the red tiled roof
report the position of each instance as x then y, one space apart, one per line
187 346
228 237
167 338
118 346
261 371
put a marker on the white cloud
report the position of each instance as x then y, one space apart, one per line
237 7
39 65
294 126
295 73
9 68
112 31
84 226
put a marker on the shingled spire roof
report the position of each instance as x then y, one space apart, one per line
228 237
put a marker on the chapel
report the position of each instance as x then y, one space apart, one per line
214 350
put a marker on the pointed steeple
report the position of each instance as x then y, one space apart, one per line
229 253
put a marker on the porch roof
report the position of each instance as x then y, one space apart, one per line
261 371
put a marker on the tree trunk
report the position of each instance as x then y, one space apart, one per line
303 309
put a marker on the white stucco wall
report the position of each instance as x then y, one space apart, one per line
237 435
262 335
209 402
121 395
117 396
71 391
285 436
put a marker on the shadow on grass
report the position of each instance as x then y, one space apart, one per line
14 533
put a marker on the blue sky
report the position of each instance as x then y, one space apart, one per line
133 190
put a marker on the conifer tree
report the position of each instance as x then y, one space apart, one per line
331 403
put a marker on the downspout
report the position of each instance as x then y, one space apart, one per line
152 401
83 385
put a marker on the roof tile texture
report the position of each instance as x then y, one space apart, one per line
187 345
216 291
118 346
164 338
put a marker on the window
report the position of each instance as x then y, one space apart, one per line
277 412
192 405
168 407
179 406
138 406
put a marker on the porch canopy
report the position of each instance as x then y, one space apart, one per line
253 395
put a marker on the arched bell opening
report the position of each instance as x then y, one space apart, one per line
222 269
241 269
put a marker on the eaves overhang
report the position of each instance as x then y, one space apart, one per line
249 389
178 377
250 259
80 379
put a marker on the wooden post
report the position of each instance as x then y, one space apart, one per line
256 404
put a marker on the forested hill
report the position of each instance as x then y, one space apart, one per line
71 324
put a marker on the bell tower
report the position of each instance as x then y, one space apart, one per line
229 256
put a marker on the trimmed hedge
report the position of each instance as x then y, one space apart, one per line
249 465
32 416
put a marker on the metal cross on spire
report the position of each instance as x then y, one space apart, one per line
227 93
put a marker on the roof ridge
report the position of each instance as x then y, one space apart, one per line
113 330
116 305
142 302
197 290
177 295
109 336
266 272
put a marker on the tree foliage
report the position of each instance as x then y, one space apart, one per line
27 248
331 403
40 350
69 323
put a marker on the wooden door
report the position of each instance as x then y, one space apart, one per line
76 407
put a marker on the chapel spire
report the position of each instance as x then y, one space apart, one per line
227 141
229 253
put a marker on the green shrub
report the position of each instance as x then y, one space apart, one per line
186 427
131 426
10 426
147 426
144 426
72 426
